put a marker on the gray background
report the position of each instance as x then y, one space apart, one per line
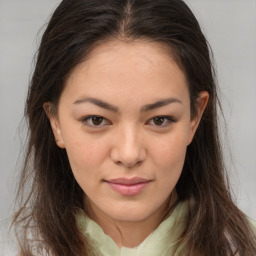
230 26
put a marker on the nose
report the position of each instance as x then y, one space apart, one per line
128 149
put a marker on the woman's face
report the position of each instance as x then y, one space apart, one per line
124 120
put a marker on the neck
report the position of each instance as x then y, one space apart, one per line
131 233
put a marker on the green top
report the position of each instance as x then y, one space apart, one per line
159 242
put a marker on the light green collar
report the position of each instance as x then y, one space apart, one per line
162 241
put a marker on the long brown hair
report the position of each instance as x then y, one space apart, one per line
50 196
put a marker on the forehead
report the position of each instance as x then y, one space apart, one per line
124 53
116 68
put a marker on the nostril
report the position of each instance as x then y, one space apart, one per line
129 165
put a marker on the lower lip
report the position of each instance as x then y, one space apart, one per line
128 190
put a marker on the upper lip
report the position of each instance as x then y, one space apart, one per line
127 181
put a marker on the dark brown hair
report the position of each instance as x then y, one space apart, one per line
46 217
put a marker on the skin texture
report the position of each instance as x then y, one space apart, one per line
128 141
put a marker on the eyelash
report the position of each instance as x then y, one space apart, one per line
87 119
86 122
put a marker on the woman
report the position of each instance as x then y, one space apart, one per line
124 156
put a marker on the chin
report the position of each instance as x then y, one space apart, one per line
130 215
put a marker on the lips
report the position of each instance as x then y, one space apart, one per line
128 187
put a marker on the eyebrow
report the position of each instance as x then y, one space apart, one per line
160 103
148 107
99 103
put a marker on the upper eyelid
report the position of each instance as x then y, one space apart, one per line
90 116
168 117
164 116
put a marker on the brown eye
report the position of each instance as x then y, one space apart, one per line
95 121
159 120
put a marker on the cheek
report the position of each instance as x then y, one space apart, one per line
171 151
86 158
86 155
169 159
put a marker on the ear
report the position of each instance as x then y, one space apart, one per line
202 101
48 108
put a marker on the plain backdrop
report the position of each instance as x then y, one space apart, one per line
230 26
